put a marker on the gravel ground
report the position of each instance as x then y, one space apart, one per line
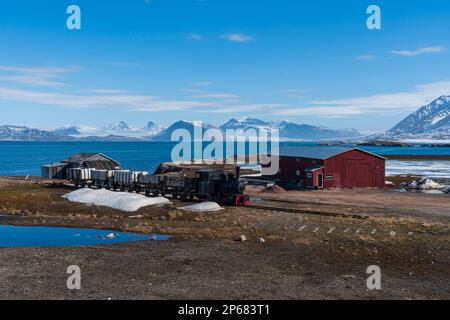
304 256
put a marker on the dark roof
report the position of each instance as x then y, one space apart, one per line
319 152
79 157
101 165
89 157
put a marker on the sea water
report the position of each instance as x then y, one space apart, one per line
25 158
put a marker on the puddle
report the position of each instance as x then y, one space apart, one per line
11 236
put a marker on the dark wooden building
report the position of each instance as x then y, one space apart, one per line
92 160
80 160
331 167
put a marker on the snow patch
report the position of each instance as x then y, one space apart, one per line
129 202
426 184
203 207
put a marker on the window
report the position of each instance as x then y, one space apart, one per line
298 173
329 177
309 175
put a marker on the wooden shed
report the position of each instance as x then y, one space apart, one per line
80 160
331 167
92 160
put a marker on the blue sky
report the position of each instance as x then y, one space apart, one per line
311 62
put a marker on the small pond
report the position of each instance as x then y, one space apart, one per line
12 236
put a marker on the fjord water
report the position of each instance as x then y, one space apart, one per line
25 158
11 236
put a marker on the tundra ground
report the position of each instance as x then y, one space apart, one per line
307 253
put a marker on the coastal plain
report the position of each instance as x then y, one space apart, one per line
317 245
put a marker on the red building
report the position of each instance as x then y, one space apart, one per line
331 167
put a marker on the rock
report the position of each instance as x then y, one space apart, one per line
139 216
260 240
430 184
274 189
242 238
425 184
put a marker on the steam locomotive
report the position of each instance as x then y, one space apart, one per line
212 185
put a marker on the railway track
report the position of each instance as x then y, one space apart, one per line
306 211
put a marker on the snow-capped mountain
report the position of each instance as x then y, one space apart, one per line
151 129
153 132
150 126
430 119
71 130
124 129
245 124
122 126
21 133
190 126
290 130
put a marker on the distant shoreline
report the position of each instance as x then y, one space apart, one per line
424 157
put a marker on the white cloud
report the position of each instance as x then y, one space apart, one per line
365 57
220 103
240 108
195 36
126 101
108 91
35 76
201 84
407 101
237 37
420 51
217 96
32 80
196 91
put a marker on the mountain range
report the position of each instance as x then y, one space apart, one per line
153 132
430 122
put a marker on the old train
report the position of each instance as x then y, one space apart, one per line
212 185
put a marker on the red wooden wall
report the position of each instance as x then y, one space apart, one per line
355 169
352 169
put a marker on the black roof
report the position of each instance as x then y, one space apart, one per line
79 157
94 157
